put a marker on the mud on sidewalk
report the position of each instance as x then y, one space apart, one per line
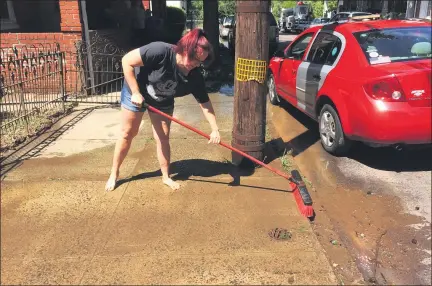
358 214
60 227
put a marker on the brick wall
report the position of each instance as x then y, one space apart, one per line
71 32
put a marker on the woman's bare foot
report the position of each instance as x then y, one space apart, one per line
111 183
170 183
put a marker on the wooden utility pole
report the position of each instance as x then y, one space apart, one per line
211 26
251 43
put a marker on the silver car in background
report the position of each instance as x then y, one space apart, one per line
273 34
319 21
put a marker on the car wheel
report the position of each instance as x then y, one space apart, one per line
332 137
272 94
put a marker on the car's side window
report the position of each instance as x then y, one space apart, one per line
343 16
298 48
325 49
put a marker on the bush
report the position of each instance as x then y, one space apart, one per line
175 24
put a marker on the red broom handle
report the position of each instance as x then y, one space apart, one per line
151 108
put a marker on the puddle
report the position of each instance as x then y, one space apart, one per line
227 89
365 206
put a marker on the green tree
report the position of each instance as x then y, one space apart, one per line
197 10
227 8
332 5
278 5
318 7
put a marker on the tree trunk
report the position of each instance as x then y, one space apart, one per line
211 27
250 96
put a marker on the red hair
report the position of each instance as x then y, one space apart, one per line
192 41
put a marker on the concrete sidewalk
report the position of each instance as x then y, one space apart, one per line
60 227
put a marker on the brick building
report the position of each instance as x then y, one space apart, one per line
68 22
33 22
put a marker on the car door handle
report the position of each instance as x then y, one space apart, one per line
316 76
294 71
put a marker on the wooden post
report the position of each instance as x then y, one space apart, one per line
251 43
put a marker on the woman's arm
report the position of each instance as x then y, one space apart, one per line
208 111
129 62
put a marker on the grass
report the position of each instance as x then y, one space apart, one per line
288 165
268 136
308 183
286 161
33 125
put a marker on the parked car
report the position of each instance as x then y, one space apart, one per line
318 21
226 27
273 35
345 16
361 81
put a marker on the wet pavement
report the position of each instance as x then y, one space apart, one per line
60 227
377 200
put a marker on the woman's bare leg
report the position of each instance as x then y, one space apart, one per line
161 130
130 123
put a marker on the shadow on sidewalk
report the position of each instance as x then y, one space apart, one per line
34 146
183 170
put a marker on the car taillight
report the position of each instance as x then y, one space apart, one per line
387 89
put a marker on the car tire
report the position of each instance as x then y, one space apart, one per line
331 133
271 91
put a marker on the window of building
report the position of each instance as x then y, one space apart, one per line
30 16
7 16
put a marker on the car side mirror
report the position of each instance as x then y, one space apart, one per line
288 54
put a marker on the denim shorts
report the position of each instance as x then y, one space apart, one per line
126 102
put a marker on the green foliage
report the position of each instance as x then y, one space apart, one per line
332 4
227 8
318 7
175 24
278 5
197 9
175 15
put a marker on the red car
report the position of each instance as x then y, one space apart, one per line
364 81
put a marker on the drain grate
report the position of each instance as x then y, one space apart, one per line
280 234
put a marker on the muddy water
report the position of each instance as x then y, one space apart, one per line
363 215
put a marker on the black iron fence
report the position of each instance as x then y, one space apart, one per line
38 82
96 75
32 85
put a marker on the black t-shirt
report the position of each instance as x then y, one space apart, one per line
160 80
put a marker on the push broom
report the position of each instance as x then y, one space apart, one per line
297 185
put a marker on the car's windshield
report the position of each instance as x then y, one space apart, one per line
228 20
303 10
288 13
395 45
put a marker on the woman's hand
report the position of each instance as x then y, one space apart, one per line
214 137
137 99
